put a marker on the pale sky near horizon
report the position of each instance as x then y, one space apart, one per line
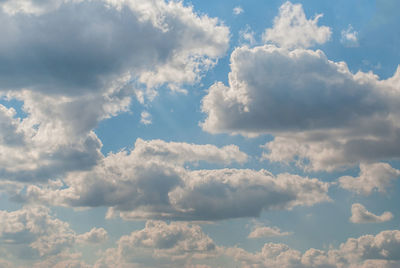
155 133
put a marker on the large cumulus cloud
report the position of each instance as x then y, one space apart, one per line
152 181
75 63
316 108
322 115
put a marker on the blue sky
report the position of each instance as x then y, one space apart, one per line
138 133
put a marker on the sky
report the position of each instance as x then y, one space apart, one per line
154 133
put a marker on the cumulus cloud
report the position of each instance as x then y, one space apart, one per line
359 214
162 245
292 29
265 231
319 112
381 250
33 233
349 37
70 80
155 42
373 177
151 182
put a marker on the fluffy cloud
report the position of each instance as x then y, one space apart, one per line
70 80
33 233
373 177
152 182
359 214
349 37
94 236
381 250
160 244
292 29
155 42
320 113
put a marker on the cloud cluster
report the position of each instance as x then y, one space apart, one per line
156 42
69 80
381 250
151 181
162 245
320 113
359 214
167 245
323 116
32 233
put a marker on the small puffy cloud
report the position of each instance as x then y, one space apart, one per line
373 177
151 182
247 36
265 231
292 29
237 10
359 214
145 118
349 37
160 245
94 236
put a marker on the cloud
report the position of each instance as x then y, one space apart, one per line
237 10
151 182
265 231
145 118
359 214
319 112
292 29
373 177
381 250
70 80
155 43
94 236
33 233
349 37
160 244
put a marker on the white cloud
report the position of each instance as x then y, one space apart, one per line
145 118
373 177
152 182
381 250
359 214
292 29
265 231
237 10
160 245
94 236
32 233
121 48
156 43
247 36
319 112
349 37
